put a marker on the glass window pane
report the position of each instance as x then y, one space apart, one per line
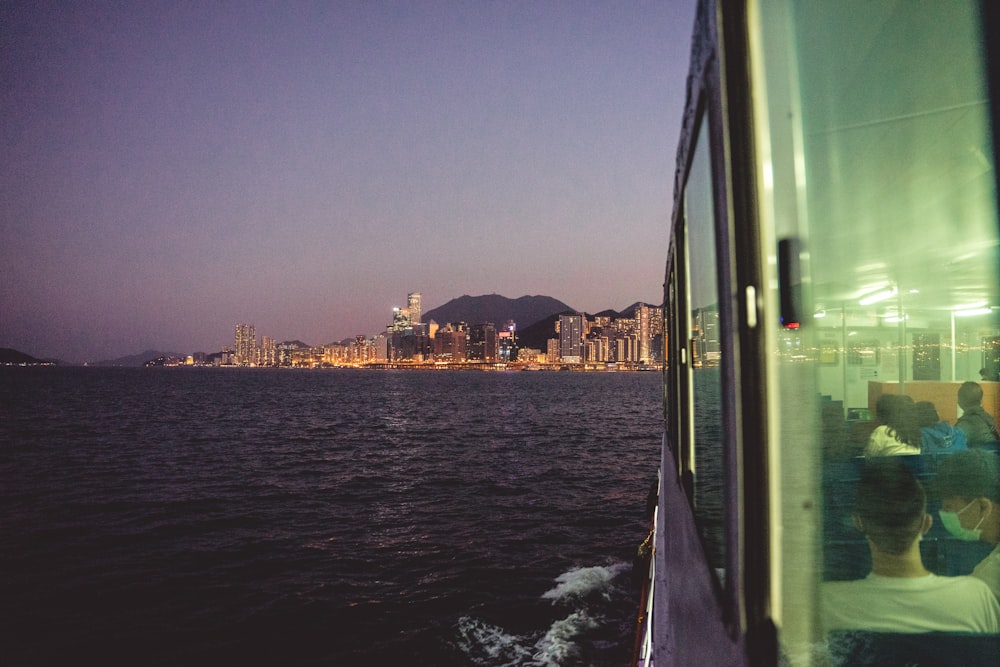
704 352
877 158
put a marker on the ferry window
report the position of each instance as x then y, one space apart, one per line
703 351
877 160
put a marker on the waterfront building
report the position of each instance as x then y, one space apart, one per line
552 351
380 346
450 343
268 352
507 342
645 337
482 342
245 344
571 332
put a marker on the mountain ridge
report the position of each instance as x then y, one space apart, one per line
496 308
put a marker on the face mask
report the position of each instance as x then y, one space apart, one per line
954 526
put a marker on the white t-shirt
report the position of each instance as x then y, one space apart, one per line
882 443
910 604
989 571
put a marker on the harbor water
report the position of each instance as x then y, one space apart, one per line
330 517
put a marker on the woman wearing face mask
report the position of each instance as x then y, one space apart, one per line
968 483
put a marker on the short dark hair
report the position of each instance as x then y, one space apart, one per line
970 394
968 474
891 504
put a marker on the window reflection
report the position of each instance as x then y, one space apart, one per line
704 351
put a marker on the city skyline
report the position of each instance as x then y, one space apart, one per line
575 339
169 168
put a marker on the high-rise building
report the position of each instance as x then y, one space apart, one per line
450 343
645 337
507 342
401 320
413 303
245 345
482 342
571 338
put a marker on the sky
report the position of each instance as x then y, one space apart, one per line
170 169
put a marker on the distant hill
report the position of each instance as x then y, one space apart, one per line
137 360
498 309
9 356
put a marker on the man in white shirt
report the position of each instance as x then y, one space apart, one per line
900 595
969 485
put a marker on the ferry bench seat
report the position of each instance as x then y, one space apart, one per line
889 649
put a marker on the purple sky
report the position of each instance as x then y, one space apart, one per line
170 169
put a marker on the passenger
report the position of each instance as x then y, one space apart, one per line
898 432
969 487
979 426
986 376
938 436
900 595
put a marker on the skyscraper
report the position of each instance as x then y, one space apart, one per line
245 344
507 342
482 342
645 337
571 338
413 303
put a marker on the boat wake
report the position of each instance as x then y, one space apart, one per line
580 596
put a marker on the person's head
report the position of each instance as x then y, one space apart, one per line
927 414
900 415
892 506
968 483
970 394
884 406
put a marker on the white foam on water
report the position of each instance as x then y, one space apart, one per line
487 644
582 581
558 644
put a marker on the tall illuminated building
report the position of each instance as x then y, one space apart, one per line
413 303
482 342
507 342
645 337
245 344
571 338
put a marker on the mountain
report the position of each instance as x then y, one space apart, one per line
495 308
13 357
137 360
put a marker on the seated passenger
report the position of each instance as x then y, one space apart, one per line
898 432
970 506
900 595
979 425
937 436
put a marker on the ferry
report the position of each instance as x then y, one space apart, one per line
834 238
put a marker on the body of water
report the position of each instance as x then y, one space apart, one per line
341 517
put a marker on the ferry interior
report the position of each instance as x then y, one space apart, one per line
845 246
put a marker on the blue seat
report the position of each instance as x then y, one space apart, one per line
937 649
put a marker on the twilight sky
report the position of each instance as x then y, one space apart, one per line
170 169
